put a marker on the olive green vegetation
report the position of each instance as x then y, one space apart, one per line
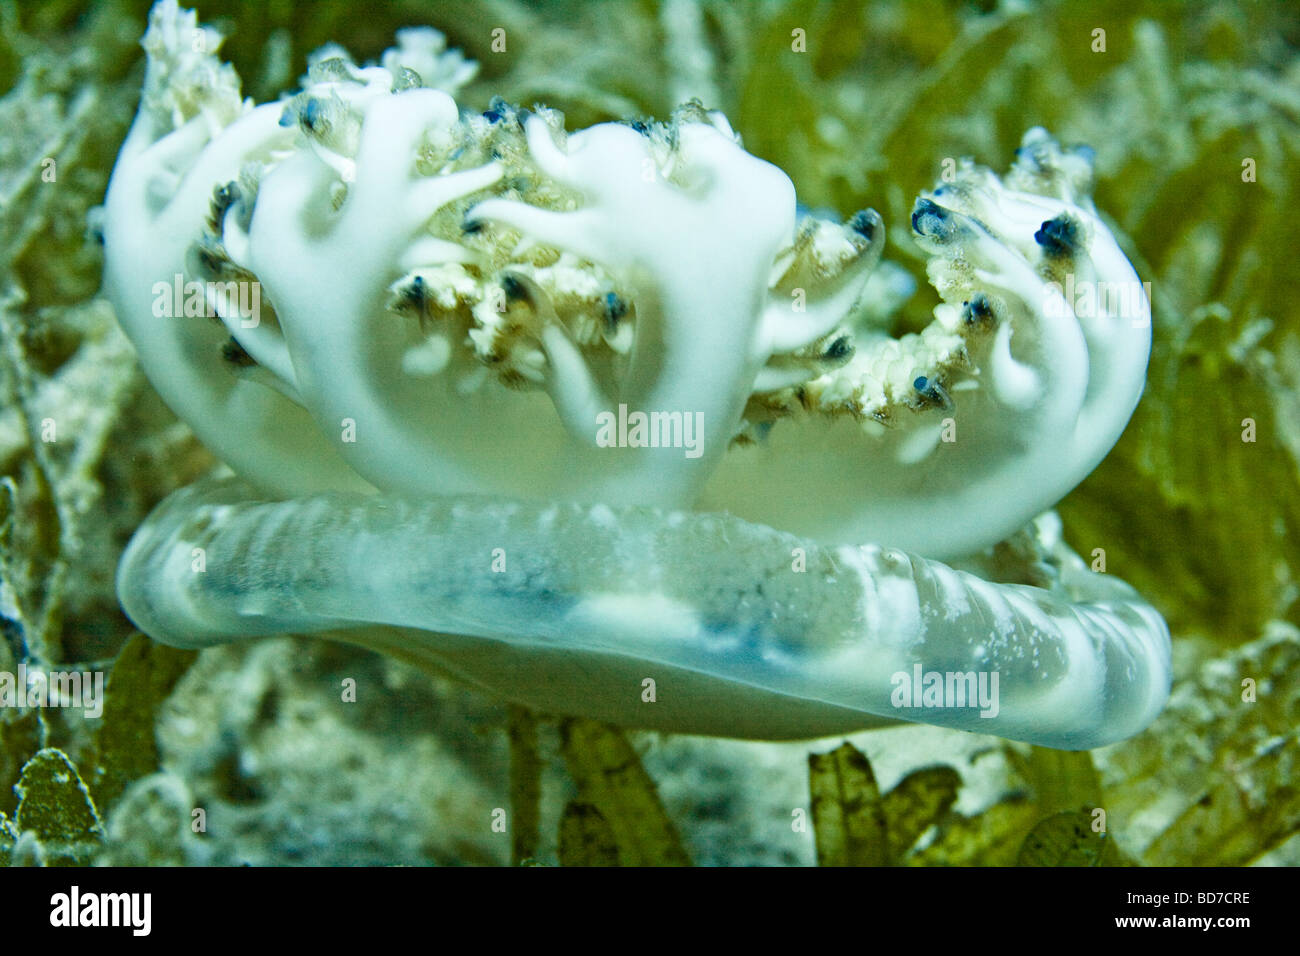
525 783
1068 839
1193 109
855 825
142 678
610 778
56 810
586 838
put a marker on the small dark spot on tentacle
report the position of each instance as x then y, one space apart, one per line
233 352
932 220
514 289
498 109
1059 237
841 350
416 294
615 308
224 197
977 311
312 116
930 393
864 223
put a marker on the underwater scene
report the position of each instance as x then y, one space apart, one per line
649 433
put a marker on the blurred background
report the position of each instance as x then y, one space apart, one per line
1193 109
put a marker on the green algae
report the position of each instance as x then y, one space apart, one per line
847 814
609 777
1067 839
142 678
56 809
586 838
